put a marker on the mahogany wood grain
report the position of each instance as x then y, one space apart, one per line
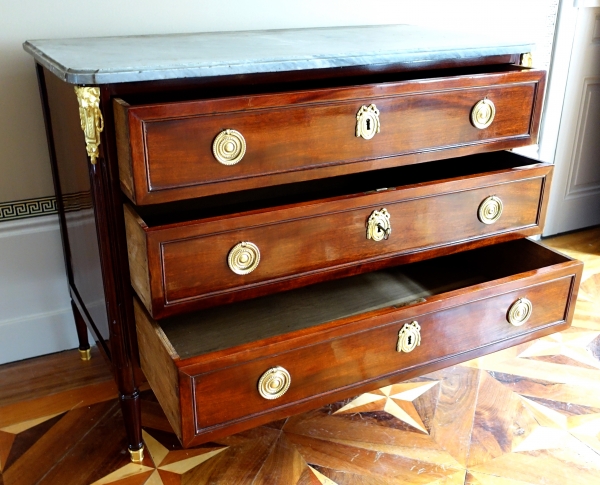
138 255
170 144
216 432
107 250
122 133
186 263
334 357
371 354
156 359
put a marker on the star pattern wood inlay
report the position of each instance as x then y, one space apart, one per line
396 400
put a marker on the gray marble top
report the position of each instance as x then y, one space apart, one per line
105 60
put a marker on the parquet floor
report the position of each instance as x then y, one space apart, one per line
526 415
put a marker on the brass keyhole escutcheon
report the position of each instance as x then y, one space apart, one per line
243 258
490 209
274 383
409 337
483 113
229 147
367 122
519 312
379 226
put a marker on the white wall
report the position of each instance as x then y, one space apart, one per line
35 308
24 167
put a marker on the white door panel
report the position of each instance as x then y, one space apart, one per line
575 196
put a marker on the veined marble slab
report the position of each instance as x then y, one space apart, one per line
104 60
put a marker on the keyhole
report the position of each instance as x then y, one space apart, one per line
368 124
409 339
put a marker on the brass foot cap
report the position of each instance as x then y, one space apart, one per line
85 354
137 456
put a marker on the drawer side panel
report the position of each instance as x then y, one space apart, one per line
123 148
157 361
137 253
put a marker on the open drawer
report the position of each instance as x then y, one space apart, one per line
177 150
226 369
226 249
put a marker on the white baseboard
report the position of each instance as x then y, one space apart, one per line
39 334
35 307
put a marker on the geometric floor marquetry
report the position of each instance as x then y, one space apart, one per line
528 415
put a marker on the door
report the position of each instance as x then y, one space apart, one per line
575 195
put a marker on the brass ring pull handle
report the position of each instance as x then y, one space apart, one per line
379 226
490 209
409 337
274 383
519 312
243 258
229 147
367 122
483 113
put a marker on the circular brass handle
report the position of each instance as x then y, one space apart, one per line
483 114
229 147
519 312
490 209
274 383
367 122
409 337
379 226
243 258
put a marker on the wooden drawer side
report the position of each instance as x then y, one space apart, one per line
137 253
157 359
123 148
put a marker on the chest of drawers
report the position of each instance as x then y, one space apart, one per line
298 219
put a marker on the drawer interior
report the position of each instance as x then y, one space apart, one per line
334 187
241 323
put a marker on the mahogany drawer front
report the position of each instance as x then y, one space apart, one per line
187 266
371 354
216 392
166 150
